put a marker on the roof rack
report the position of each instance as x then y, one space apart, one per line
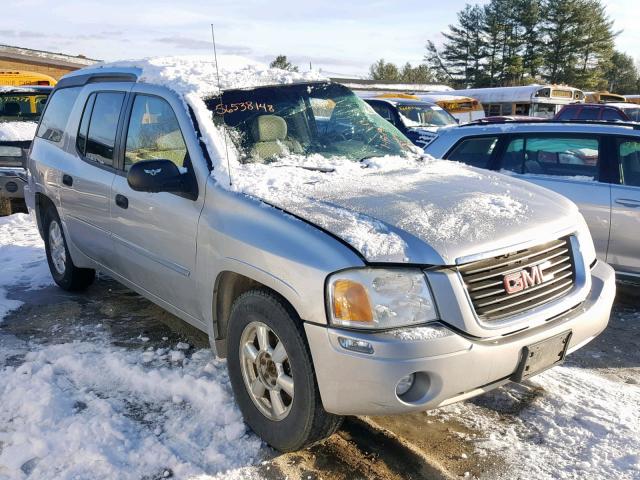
634 125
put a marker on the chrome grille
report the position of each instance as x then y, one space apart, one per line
485 279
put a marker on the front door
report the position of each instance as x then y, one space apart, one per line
624 248
155 233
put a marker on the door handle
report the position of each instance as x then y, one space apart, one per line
628 202
122 201
67 180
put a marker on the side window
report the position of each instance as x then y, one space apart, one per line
567 113
383 110
611 114
154 133
629 154
57 113
474 151
556 156
494 110
101 134
513 159
589 113
81 138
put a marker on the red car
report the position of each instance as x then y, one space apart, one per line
612 112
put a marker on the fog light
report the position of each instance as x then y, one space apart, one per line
11 187
405 384
359 346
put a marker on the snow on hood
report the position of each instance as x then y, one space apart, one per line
17 131
415 209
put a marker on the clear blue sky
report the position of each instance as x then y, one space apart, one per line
338 36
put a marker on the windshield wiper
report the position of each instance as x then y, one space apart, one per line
311 168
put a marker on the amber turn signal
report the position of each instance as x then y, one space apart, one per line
351 302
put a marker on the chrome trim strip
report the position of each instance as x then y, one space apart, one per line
518 246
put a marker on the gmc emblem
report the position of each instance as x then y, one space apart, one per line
527 278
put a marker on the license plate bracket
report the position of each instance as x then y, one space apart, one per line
538 357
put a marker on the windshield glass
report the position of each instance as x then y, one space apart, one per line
21 107
424 115
319 118
633 113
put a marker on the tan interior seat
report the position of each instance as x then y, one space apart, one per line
269 133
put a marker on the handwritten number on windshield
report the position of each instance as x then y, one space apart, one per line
223 109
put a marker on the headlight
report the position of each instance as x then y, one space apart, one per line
7 151
377 299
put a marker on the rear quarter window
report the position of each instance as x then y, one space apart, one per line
57 113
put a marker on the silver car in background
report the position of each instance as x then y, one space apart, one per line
597 165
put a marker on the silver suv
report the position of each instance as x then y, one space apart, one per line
339 272
595 165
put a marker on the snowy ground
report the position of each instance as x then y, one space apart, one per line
106 385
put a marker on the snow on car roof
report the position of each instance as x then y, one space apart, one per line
197 73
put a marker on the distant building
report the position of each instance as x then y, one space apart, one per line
53 64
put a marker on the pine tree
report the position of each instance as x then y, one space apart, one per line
622 74
382 70
282 62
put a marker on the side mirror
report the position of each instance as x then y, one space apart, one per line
156 176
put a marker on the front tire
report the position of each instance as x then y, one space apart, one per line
272 374
64 272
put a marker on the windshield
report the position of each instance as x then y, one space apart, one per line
21 107
633 114
319 118
544 110
424 116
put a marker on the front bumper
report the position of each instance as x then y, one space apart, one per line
448 368
12 182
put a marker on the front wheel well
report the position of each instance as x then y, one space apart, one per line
228 287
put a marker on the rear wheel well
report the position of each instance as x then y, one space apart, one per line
229 286
43 203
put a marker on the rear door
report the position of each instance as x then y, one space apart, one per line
624 247
86 181
570 165
155 233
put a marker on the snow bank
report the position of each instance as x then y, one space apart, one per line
579 425
92 410
17 131
22 259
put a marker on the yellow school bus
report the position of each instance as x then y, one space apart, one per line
465 109
603 97
18 78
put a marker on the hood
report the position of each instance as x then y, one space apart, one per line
431 212
17 131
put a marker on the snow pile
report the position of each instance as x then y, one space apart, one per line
576 425
17 131
88 410
92 410
22 259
